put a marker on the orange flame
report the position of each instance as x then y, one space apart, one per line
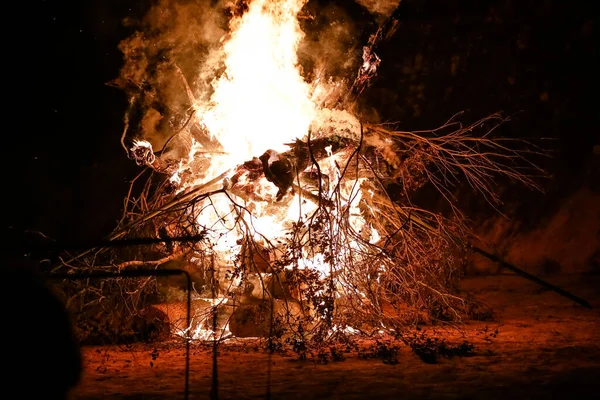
261 100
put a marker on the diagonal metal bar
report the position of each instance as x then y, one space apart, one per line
56 246
531 277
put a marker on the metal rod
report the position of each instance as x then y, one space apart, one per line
531 277
214 389
114 243
147 217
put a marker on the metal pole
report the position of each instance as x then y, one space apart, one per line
214 389
533 278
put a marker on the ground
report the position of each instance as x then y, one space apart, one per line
546 346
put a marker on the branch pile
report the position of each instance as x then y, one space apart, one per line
307 245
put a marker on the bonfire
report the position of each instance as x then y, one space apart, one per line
297 210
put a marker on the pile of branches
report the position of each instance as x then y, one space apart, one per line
396 270
408 276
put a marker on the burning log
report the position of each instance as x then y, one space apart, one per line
279 170
254 319
283 170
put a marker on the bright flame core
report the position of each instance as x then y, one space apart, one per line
261 101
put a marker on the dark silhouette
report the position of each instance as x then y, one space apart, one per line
44 359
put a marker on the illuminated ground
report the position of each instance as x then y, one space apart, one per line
546 347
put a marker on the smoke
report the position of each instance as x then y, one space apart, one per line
380 8
173 55
329 48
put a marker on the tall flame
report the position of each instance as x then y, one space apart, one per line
261 100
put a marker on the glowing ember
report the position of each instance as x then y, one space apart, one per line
201 325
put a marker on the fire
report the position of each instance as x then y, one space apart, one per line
259 103
261 100
286 189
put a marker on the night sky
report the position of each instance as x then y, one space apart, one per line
66 173
72 169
